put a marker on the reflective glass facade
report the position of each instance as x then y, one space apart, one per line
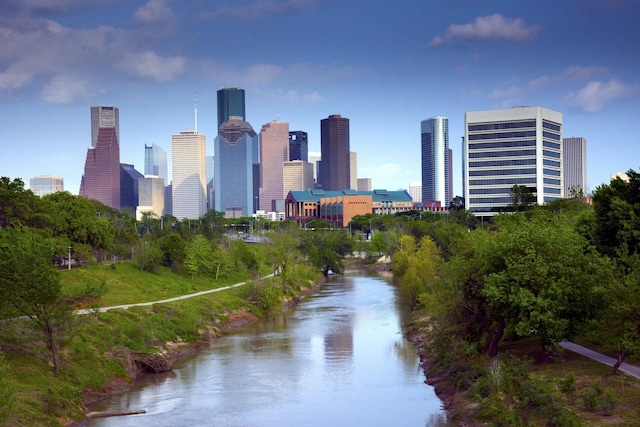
230 103
436 161
298 146
335 167
575 165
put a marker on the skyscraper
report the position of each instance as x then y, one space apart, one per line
42 185
335 170
129 177
353 168
298 146
274 151
514 146
189 175
298 176
155 162
236 170
101 178
436 161
104 117
574 158
415 191
230 103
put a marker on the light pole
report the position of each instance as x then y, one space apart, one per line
370 229
69 247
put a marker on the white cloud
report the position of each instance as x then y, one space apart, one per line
492 27
149 64
14 78
259 8
595 95
65 89
262 74
155 11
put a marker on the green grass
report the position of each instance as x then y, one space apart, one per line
99 347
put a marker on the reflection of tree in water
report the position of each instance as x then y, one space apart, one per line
338 343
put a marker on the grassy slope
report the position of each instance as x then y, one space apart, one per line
99 347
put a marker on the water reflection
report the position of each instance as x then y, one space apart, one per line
339 359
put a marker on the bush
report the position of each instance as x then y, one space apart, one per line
608 402
537 394
590 397
7 391
482 388
265 295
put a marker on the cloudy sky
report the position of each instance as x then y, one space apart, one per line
386 65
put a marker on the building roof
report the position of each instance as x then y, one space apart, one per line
376 195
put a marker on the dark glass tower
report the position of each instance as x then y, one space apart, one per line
298 146
335 169
230 103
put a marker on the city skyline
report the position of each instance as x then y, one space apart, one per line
150 57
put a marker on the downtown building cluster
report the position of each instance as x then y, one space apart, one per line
272 174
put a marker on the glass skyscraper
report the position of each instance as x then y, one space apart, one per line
236 170
189 197
436 161
335 167
574 157
230 103
155 162
298 145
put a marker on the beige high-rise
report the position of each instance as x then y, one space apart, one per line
189 175
274 151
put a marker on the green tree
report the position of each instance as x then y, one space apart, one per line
535 277
523 198
173 249
148 255
30 287
326 249
18 206
199 257
283 250
419 265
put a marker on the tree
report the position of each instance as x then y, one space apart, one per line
283 250
18 206
173 249
522 197
417 265
326 249
148 256
30 287
199 257
535 277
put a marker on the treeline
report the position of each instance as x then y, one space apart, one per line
548 273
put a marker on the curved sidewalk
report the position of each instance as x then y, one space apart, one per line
143 304
610 361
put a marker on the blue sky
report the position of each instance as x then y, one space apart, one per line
384 65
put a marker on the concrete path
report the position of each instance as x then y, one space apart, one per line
143 304
610 361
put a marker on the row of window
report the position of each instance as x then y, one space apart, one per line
508 153
553 154
503 135
549 125
549 190
550 144
506 125
528 171
502 181
551 135
551 163
490 190
550 172
495 163
500 200
551 181
505 144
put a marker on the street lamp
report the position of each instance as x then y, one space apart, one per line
69 247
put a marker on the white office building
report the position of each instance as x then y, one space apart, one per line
189 175
515 146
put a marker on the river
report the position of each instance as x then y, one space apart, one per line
338 359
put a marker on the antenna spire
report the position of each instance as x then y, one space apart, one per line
195 111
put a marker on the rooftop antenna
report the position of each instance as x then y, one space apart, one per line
195 111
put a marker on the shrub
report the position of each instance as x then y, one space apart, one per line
591 395
608 402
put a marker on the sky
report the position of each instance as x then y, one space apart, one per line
385 65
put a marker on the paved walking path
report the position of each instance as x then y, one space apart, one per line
610 361
143 304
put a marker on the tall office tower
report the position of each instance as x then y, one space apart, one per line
335 171
104 117
415 191
230 103
364 184
574 162
155 162
353 167
168 200
274 151
42 185
237 172
436 162
101 178
129 177
314 159
514 146
150 195
298 176
189 175
210 186
298 146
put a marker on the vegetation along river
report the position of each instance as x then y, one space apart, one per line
338 359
